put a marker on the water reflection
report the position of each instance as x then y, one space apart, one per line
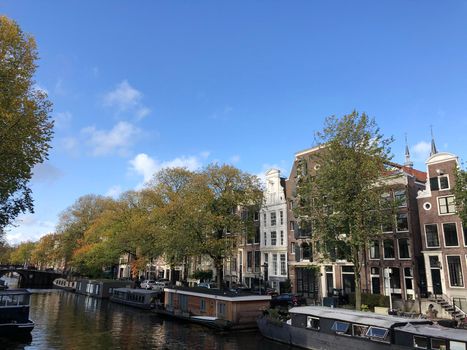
68 321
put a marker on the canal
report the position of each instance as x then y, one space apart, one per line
69 321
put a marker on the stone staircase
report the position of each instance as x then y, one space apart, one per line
450 307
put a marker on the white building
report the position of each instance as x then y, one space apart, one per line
273 230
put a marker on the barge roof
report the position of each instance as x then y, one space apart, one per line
135 290
360 317
435 331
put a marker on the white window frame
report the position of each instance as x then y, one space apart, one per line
439 183
457 232
393 246
449 274
379 248
399 249
407 217
438 204
426 238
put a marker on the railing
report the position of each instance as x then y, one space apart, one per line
460 304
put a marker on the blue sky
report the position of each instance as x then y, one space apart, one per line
138 86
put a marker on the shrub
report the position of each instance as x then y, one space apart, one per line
371 300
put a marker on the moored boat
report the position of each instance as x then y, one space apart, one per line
62 283
316 327
14 313
140 298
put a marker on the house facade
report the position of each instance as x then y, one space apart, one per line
444 239
273 232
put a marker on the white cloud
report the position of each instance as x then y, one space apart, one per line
46 172
116 140
59 88
205 154
266 167
235 159
114 191
146 166
28 228
421 151
126 98
63 119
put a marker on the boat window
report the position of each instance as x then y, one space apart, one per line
377 333
420 342
340 327
312 322
359 330
456 345
438 344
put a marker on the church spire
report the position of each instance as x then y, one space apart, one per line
433 145
408 162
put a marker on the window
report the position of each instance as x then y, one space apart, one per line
257 235
306 251
312 323
273 218
400 198
257 260
443 182
283 265
438 343
450 235
377 333
404 248
265 219
432 239
282 237
249 260
456 345
388 245
202 305
446 205
465 236
274 264
221 309
281 214
434 261
265 238
402 222
341 327
408 278
273 238
256 216
359 330
455 271
420 342
374 249
266 258
292 225
292 248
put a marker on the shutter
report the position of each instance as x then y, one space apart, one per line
434 183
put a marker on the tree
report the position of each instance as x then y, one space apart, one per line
22 254
460 193
25 124
45 252
342 202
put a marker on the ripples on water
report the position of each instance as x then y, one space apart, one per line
69 321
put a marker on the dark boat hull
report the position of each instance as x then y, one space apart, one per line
143 306
219 325
16 329
309 339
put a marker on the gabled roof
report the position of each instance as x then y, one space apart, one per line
418 174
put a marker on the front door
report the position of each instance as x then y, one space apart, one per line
375 285
349 283
436 280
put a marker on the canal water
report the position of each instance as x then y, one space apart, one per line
70 321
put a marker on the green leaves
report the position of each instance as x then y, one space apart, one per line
25 124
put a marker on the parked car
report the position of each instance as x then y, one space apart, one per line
147 284
160 285
287 300
207 285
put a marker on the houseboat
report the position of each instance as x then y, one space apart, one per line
100 288
62 283
140 298
14 313
215 308
317 327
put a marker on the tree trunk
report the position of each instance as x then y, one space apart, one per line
219 273
358 286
